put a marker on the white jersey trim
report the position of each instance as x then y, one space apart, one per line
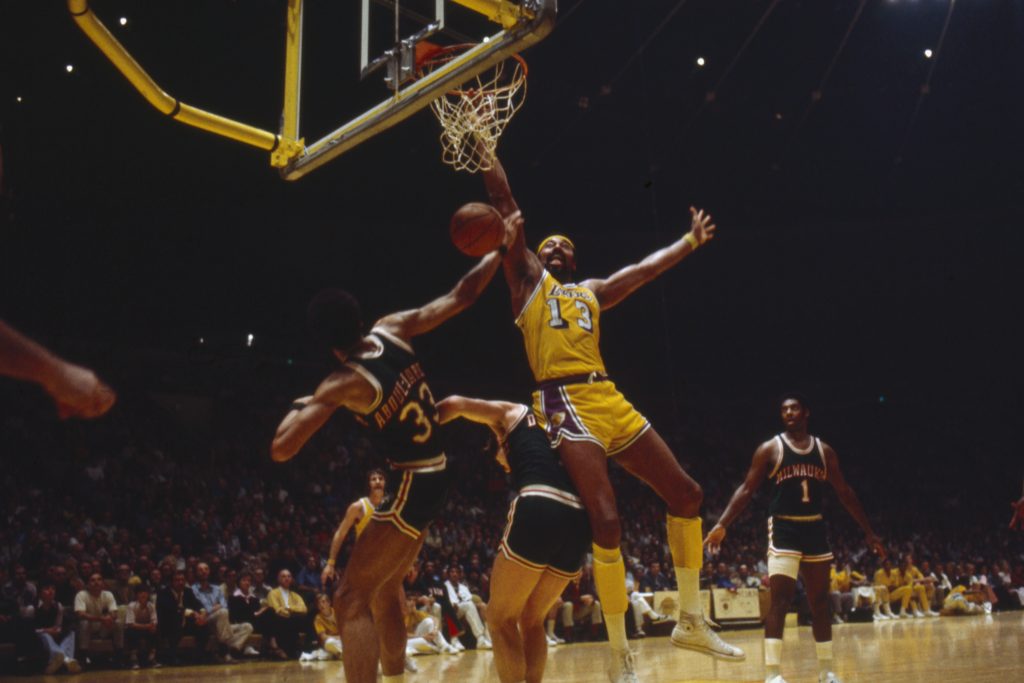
533 295
368 376
778 459
806 451
393 339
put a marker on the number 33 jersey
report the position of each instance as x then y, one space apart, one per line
561 330
403 416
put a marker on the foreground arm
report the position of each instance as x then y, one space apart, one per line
850 501
613 289
490 413
342 389
760 467
76 390
417 321
352 516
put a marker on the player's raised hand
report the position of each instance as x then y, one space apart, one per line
1017 521
701 226
876 545
713 541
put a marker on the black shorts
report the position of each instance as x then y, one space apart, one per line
806 540
547 529
418 500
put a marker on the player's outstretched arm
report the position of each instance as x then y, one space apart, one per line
417 321
342 389
352 515
761 464
494 414
850 500
522 267
76 390
613 289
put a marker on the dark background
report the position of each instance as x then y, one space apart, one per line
867 251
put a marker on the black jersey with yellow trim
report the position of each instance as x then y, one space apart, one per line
531 458
403 418
799 479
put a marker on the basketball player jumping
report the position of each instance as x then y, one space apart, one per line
544 542
383 384
357 515
588 420
799 465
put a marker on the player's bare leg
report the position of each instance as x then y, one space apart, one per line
511 586
650 459
531 624
816 580
380 555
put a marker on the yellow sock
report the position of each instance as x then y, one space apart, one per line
686 541
610 579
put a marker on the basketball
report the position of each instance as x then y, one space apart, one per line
477 229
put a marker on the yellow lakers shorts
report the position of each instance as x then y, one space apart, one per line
589 411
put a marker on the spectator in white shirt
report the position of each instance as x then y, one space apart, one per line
473 612
97 617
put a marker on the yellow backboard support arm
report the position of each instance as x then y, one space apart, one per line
155 95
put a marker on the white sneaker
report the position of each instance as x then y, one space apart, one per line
551 640
660 619
410 665
322 654
828 677
449 649
307 657
918 614
250 651
457 644
623 667
775 679
987 607
903 614
484 643
878 616
931 613
55 663
693 633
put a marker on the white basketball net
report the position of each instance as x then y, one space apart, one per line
474 116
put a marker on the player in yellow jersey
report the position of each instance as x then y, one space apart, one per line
358 515
588 420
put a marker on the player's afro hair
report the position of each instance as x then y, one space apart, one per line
334 318
796 396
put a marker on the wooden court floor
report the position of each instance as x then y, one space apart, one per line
974 649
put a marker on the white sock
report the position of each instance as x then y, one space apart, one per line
689 590
772 656
824 652
550 627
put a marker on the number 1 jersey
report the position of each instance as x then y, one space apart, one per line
403 416
560 325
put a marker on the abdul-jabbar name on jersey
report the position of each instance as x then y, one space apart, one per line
403 415
799 478
531 458
560 325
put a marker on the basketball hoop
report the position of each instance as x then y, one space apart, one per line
474 115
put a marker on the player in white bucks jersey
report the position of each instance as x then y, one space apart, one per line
382 382
799 465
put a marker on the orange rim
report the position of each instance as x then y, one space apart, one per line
434 56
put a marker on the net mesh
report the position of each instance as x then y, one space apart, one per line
474 115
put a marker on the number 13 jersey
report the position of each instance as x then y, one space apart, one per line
403 416
561 330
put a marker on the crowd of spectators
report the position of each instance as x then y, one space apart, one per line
134 531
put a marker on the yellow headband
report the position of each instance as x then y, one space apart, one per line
551 237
